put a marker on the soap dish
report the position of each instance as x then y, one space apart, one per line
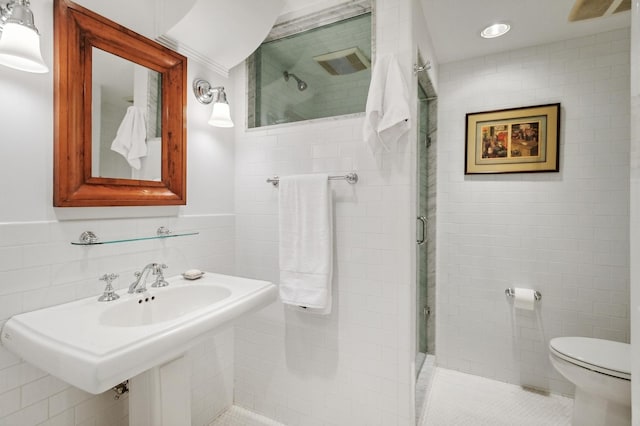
192 274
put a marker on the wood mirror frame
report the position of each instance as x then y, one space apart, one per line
76 31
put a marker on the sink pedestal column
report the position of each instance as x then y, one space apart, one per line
161 396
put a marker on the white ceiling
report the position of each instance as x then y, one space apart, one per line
455 25
218 33
224 32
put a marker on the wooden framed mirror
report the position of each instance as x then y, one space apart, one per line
94 60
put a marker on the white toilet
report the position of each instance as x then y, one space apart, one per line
601 371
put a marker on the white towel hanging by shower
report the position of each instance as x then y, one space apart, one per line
130 141
306 245
387 111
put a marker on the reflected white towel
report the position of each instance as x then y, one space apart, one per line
306 245
387 112
130 139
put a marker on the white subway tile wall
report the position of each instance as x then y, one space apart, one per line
40 268
351 367
354 366
564 234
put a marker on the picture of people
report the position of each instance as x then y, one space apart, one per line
510 140
524 139
494 141
516 140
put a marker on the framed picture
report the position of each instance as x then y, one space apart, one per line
514 140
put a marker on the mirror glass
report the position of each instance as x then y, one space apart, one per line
126 119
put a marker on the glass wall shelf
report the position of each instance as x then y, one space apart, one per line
88 238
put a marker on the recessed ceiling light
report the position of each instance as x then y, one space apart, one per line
495 30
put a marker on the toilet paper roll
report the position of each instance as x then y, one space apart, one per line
524 298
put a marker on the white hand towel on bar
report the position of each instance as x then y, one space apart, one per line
306 244
387 111
130 141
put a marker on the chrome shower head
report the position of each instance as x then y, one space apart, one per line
302 85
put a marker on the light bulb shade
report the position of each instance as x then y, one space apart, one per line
20 48
221 116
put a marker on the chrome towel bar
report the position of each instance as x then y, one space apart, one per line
352 178
511 293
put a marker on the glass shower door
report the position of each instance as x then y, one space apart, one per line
422 308
425 239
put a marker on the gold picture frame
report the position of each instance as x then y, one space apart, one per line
517 140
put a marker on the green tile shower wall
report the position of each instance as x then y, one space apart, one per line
279 101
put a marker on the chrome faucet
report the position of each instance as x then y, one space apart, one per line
140 284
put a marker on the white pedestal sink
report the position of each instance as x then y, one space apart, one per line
142 337
161 395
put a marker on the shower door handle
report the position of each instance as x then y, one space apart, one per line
423 238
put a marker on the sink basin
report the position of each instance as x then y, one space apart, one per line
96 345
162 306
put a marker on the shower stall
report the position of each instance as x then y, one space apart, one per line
425 238
329 64
426 207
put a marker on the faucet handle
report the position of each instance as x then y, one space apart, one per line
109 278
109 293
160 281
157 270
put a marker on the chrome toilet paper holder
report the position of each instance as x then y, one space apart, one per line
511 293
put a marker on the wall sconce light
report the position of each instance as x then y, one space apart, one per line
221 116
19 38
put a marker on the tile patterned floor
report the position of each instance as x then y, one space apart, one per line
238 416
465 400
458 399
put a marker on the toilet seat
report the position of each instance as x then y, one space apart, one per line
602 356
